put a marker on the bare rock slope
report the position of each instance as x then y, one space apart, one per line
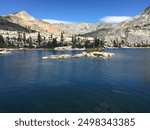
132 32
26 20
81 28
6 25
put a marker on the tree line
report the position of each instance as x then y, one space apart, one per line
21 41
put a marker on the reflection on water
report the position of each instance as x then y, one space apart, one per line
118 84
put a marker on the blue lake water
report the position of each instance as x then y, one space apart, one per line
118 84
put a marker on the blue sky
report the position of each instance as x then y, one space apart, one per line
76 10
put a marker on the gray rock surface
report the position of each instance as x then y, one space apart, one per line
81 28
132 32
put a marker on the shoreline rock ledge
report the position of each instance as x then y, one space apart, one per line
4 52
84 54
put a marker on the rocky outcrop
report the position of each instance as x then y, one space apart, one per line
4 52
132 32
98 54
6 25
84 54
67 48
129 33
26 20
147 10
81 28
65 56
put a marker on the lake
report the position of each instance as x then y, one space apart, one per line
118 84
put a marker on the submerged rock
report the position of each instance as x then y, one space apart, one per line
84 54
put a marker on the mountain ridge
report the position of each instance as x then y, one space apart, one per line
126 33
26 20
130 32
6 25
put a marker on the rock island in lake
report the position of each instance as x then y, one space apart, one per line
84 54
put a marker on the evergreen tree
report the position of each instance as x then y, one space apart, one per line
19 40
19 37
49 45
24 38
61 39
96 43
30 42
54 43
2 42
44 38
101 43
115 44
39 39
87 44
51 36
74 41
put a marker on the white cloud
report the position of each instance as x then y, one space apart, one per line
114 19
56 21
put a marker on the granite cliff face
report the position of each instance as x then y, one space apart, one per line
147 10
132 32
81 28
26 20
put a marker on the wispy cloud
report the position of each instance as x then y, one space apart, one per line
56 21
114 19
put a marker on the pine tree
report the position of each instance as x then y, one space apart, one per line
102 43
115 44
51 36
24 38
62 39
74 41
19 39
39 39
2 42
95 43
54 43
30 42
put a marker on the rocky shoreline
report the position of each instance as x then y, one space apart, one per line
84 54
4 52
68 48
82 49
